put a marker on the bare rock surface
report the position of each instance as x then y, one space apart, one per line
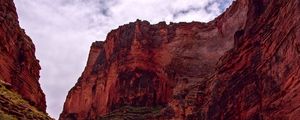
19 67
242 65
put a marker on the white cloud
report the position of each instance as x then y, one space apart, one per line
63 31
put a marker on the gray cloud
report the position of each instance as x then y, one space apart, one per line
63 31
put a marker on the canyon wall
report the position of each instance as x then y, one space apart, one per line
259 79
19 68
242 65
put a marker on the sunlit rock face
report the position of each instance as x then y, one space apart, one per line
242 65
19 67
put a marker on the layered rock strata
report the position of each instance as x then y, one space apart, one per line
19 67
242 65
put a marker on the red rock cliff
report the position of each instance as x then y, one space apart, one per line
19 67
142 67
259 79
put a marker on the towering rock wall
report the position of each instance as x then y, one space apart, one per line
144 65
259 79
242 65
19 67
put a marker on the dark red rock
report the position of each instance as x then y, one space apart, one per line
177 68
260 78
147 65
18 64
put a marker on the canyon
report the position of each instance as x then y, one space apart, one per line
242 65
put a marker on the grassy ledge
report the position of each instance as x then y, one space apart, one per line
13 107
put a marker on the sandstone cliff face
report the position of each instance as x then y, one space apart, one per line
145 65
259 79
162 71
19 67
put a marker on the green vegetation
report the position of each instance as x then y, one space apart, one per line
13 107
133 113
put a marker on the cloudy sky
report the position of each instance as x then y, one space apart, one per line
63 30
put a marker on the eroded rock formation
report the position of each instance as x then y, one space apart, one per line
259 79
19 67
144 71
